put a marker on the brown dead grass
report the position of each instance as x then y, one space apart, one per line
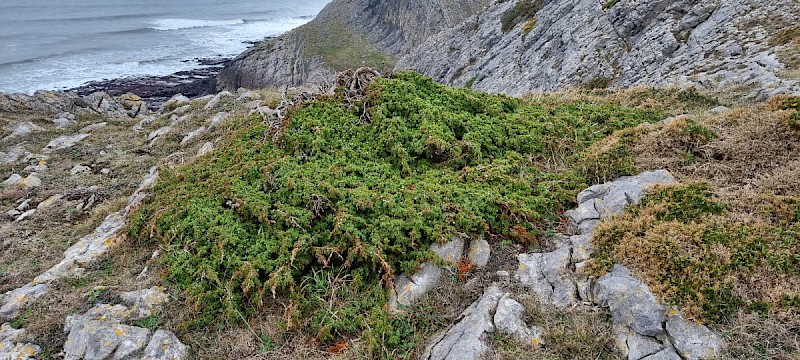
581 333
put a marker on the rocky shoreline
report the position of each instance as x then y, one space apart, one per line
158 89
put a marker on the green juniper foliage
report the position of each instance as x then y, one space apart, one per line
332 209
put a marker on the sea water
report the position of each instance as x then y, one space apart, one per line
60 44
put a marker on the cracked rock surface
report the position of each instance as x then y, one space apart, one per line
707 44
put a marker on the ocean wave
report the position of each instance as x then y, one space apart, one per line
179 24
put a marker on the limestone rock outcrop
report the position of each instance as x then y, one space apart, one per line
706 44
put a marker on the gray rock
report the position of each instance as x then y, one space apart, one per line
49 202
13 302
176 101
693 341
206 149
467 339
12 180
22 129
31 181
630 301
613 197
80 169
182 110
143 123
64 120
666 354
192 135
26 215
93 127
509 318
12 155
633 345
451 251
158 133
216 99
633 43
581 247
63 142
93 339
479 252
144 303
409 289
548 277
165 346
719 110
217 119
391 27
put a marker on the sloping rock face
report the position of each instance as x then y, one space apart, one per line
623 43
346 34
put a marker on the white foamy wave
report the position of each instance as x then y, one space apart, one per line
178 24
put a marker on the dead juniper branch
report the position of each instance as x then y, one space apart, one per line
353 86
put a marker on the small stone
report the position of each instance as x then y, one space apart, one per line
158 133
80 169
26 215
450 251
49 202
217 119
31 181
165 346
24 205
719 110
22 129
503 274
93 127
63 142
479 252
12 180
206 149
13 214
409 289
105 171
192 135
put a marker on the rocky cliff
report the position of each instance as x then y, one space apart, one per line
517 47
346 34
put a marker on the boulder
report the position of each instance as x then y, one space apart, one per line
22 129
206 149
467 339
479 252
193 135
216 100
165 346
80 169
63 142
217 119
64 120
12 180
630 301
410 288
509 318
548 277
93 127
693 341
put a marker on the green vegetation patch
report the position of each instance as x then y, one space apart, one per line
785 36
341 48
324 216
693 254
522 11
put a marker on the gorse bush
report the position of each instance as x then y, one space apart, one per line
324 216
